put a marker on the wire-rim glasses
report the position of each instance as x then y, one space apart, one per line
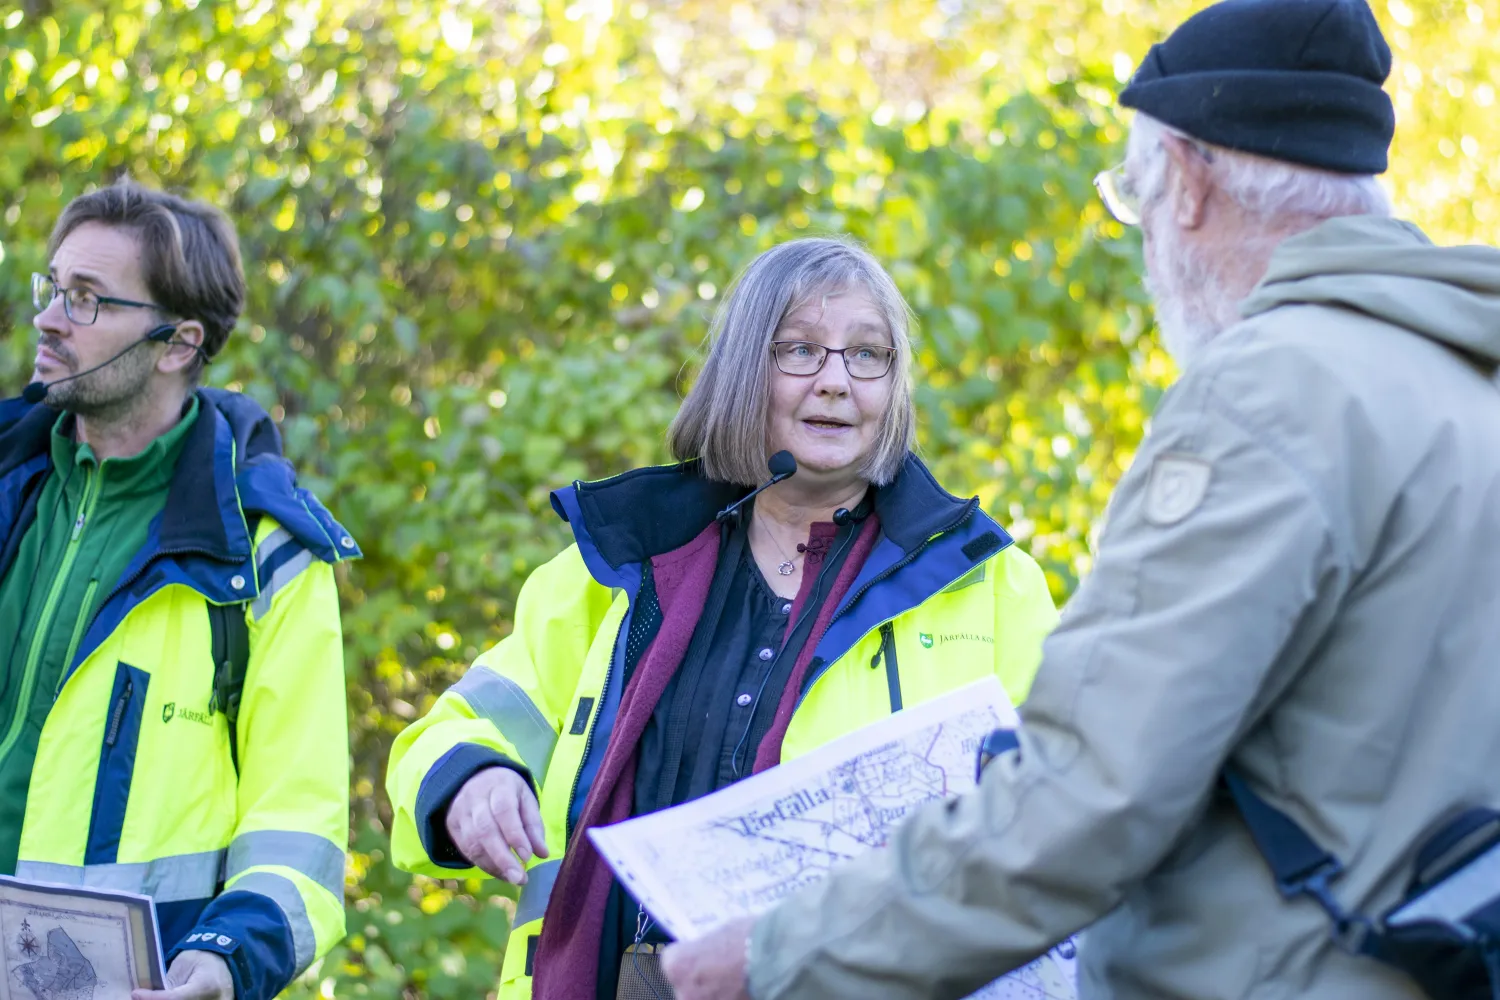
80 304
1119 195
862 361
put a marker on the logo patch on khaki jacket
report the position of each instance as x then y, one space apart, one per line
1177 486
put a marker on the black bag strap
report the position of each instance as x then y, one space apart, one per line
230 641
1293 857
1299 865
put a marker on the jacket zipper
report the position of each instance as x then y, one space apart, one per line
588 741
49 609
117 715
892 669
78 628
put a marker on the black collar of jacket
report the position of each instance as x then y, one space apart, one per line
646 512
202 488
192 519
27 433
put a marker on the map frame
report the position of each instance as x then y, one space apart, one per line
140 947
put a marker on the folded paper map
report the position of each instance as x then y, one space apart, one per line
740 850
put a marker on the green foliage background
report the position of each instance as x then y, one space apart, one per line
484 239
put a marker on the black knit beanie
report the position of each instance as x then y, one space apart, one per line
1292 80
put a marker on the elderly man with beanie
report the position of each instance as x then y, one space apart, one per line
1281 678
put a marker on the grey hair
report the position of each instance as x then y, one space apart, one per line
725 419
1261 186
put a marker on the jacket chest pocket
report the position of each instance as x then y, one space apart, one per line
122 733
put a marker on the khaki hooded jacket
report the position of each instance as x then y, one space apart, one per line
1300 574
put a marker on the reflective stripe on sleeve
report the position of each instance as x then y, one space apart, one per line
283 575
167 880
270 545
502 702
283 892
316 857
537 891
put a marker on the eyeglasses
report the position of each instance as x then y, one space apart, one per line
1119 195
80 304
862 361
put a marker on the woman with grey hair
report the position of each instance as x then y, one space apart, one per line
700 630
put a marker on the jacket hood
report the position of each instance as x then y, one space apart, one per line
256 439
1390 270
643 513
250 475
231 466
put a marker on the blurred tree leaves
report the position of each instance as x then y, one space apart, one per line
484 239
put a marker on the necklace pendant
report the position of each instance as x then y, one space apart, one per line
786 568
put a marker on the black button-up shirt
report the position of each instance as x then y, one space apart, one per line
706 729
709 722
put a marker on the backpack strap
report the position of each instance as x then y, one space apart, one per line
1299 865
230 641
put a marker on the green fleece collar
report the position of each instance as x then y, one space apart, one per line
149 471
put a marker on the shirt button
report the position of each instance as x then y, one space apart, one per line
743 701
765 654
237 582
786 608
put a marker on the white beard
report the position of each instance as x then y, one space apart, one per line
1193 304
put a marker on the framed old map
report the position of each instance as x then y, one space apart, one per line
75 943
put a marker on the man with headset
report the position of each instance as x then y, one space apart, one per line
172 715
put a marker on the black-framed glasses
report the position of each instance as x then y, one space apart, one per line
862 361
80 304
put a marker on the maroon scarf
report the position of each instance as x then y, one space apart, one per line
567 958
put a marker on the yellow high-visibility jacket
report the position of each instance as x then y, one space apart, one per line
943 599
134 785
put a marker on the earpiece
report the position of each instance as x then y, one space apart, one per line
163 335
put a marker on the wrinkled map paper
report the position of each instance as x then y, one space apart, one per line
738 851
68 943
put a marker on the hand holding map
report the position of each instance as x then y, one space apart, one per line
738 851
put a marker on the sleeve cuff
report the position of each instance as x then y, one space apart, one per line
252 935
227 948
439 787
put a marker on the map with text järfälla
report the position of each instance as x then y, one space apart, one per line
741 850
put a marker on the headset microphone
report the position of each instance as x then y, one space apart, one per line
781 466
35 392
